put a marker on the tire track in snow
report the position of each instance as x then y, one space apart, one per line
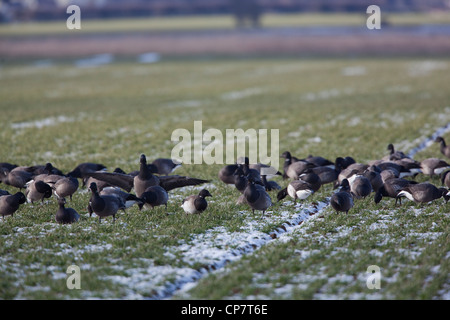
217 247
429 141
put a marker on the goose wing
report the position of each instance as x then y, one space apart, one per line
124 181
172 182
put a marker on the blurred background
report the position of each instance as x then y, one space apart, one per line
26 10
37 28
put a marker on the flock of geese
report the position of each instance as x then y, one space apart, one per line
111 191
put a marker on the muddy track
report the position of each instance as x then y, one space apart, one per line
306 41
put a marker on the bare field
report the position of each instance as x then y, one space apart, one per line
284 41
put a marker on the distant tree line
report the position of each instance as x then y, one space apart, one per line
245 11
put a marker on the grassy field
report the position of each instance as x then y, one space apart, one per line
111 114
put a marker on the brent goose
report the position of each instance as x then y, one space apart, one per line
18 177
128 198
48 168
104 205
256 196
84 168
445 178
409 167
374 177
248 171
296 168
10 203
432 166
389 174
196 203
5 167
37 191
327 174
145 179
394 155
404 167
350 170
423 192
269 184
318 161
297 189
445 150
66 215
226 174
165 166
293 167
240 180
342 201
391 188
65 187
265 169
346 161
312 178
154 196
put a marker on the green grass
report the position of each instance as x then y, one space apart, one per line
211 22
111 114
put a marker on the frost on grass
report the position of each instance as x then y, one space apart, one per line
212 250
343 281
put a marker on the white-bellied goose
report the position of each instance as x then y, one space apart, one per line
391 188
104 206
10 203
4 192
196 203
433 166
256 196
297 189
154 196
165 166
145 179
66 215
360 186
445 150
342 201
423 192
37 191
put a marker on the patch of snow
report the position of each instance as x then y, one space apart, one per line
237 95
